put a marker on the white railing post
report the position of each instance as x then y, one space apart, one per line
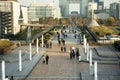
37 46
30 45
3 70
20 60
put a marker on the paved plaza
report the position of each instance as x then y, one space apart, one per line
60 66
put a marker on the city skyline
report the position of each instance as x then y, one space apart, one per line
28 2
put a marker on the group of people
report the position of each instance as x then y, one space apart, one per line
60 40
45 59
74 52
48 44
11 78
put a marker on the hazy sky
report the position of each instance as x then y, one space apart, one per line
28 2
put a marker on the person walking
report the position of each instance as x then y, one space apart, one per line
70 54
47 58
64 48
50 44
61 48
6 78
11 78
59 41
73 54
77 53
58 35
43 59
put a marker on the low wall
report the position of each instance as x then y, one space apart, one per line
106 41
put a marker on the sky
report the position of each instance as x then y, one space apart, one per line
28 2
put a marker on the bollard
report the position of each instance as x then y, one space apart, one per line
20 60
37 46
95 70
42 41
3 70
30 45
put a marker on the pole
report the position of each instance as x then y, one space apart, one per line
84 41
87 48
85 45
3 70
30 45
91 67
37 45
42 41
20 60
95 70
90 57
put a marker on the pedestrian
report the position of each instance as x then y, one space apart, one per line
70 54
61 48
58 35
47 59
50 44
47 45
75 35
63 41
43 59
77 53
59 41
79 59
64 48
6 78
11 78
73 54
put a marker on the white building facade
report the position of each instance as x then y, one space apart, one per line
89 9
12 15
43 10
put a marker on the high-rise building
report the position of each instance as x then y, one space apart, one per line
115 10
69 6
42 10
100 4
11 15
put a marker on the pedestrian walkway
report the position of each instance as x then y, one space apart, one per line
60 66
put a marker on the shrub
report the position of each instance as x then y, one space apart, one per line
4 43
97 33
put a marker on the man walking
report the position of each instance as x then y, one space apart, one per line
47 58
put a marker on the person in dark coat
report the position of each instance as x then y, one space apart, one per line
61 48
70 54
59 41
64 48
47 59
77 53
11 78
63 41
58 35
50 44
73 54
